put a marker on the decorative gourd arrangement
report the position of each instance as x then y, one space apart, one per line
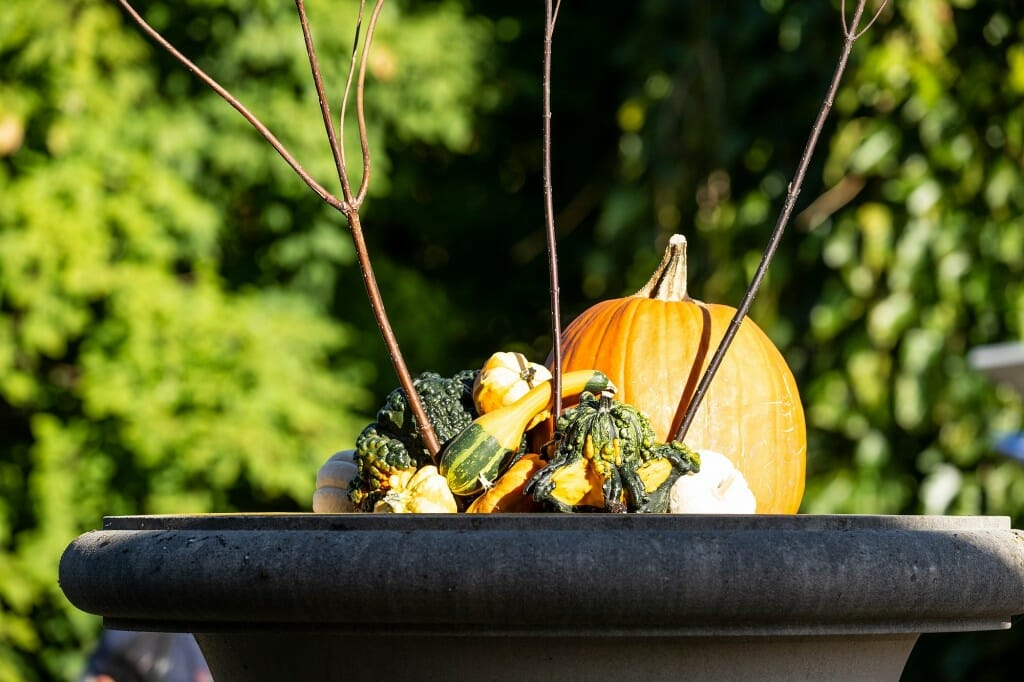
659 377
629 370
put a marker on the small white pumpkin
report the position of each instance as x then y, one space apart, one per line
331 495
423 492
718 488
505 378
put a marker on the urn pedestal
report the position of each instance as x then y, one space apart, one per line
547 596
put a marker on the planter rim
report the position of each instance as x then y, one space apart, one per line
272 521
580 575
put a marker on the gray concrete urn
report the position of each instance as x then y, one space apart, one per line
546 596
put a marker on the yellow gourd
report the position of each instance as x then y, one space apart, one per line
505 378
423 492
506 495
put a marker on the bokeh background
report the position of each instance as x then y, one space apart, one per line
183 327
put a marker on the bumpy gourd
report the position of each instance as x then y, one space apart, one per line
423 492
669 463
602 441
447 401
393 443
607 457
378 457
656 344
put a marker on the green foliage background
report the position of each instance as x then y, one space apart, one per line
183 328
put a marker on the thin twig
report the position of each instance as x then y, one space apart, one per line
325 109
234 102
878 13
850 36
551 15
336 149
364 141
427 432
351 211
350 205
348 89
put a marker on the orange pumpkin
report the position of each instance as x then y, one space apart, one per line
655 345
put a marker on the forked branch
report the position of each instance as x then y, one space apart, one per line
350 203
321 95
851 32
234 102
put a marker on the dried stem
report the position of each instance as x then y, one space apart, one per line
551 16
350 205
354 201
390 341
850 34
364 142
321 94
348 89
233 101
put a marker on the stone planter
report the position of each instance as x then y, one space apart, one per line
547 596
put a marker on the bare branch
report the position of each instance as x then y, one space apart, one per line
549 218
350 206
234 102
850 36
878 13
360 57
347 189
390 341
353 204
325 109
364 142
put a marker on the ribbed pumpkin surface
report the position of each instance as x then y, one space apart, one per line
655 351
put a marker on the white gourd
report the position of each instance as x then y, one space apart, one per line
718 488
331 495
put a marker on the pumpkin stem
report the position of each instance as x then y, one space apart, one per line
668 283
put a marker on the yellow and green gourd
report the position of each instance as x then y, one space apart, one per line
475 458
